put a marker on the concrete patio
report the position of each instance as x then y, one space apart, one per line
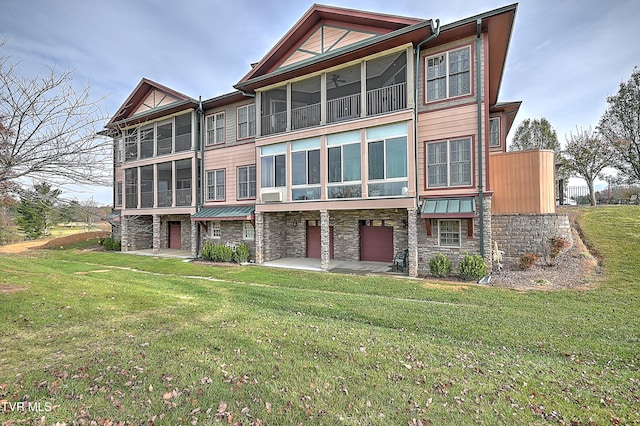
175 253
337 266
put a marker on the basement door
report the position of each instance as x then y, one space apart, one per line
175 236
314 241
376 241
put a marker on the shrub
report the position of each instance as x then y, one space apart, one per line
242 253
217 252
110 244
556 246
527 260
472 268
440 265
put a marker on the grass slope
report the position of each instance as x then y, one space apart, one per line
106 336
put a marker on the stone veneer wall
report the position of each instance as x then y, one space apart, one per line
231 231
185 231
428 246
517 234
274 243
285 233
137 233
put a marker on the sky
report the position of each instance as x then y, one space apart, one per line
565 56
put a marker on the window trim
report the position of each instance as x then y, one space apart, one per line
446 53
245 235
255 182
499 132
215 231
448 185
249 134
216 119
215 185
459 222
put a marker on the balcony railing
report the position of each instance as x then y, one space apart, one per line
306 116
164 199
274 123
146 199
344 108
387 99
183 197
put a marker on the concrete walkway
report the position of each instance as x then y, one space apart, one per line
175 253
339 266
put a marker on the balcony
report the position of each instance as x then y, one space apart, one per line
387 99
306 116
183 197
274 123
164 199
344 108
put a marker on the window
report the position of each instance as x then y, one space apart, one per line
165 138
146 186
305 171
131 144
345 166
246 182
448 74
183 133
449 233
274 171
131 188
248 233
246 121
449 163
494 131
119 150
388 159
215 230
215 128
118 194
215 185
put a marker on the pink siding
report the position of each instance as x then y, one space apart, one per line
444 124
352 37
331 35
297 56
155 99
314 42
229 158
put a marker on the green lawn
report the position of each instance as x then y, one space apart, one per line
89 338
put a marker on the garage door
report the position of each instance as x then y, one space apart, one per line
376 243
314 241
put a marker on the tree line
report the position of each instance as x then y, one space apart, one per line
614 142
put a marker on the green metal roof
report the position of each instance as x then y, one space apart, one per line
448 207
224 213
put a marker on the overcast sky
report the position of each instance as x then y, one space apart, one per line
565 57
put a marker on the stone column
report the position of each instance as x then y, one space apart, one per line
325 240
124 233
156 234
412 231
194 238
259 236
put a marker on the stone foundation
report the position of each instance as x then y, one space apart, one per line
231 231
517 234
285 232
428 245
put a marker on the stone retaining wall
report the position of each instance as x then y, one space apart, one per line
517 234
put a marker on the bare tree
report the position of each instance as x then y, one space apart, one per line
586 155
48 129
620 125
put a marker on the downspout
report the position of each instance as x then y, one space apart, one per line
435 31
479 104
199 145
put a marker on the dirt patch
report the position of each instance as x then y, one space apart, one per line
8 288
48 243
75 238
576 268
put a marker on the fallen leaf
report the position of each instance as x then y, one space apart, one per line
222 407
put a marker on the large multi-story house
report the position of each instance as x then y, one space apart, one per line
357 136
